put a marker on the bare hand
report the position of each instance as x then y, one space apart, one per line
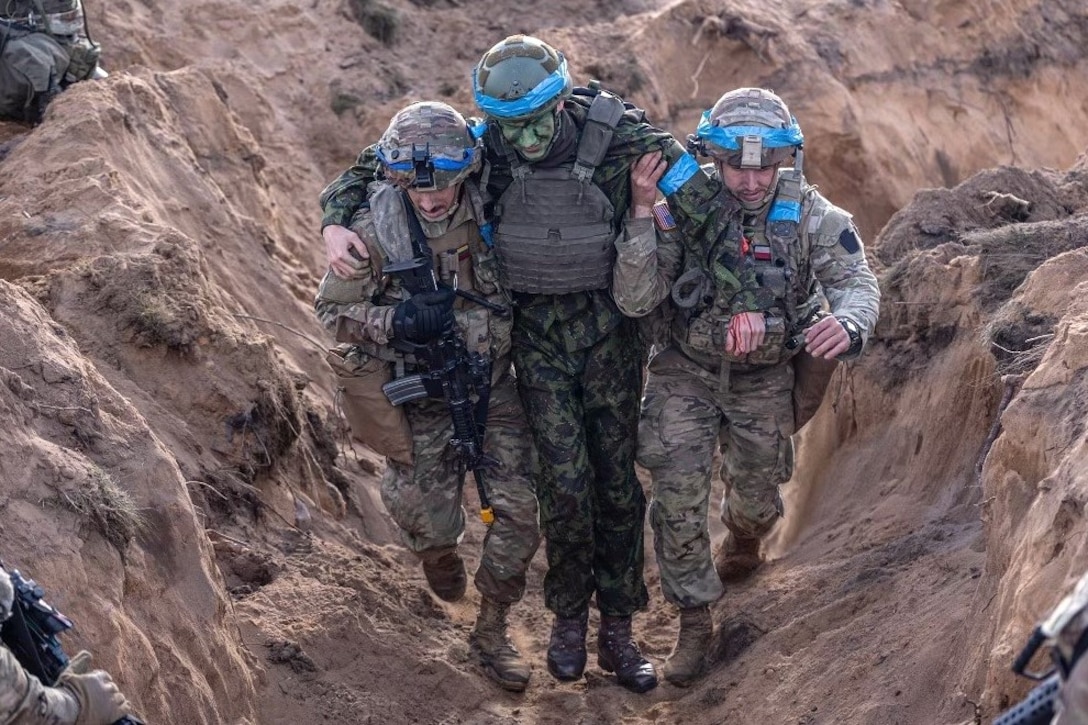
645 174
339 241
827 338
746 333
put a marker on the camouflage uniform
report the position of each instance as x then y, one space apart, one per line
424 497
698 397
578 359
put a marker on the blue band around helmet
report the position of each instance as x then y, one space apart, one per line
441 162
730 137
534 100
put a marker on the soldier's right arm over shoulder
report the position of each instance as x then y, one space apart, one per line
347 194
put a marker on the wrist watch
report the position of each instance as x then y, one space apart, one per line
854 332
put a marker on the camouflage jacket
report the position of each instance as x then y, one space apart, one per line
583 318
359 311
24 700
719 262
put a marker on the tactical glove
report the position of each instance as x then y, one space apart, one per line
424 317
100 702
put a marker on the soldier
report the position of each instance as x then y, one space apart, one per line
573 173
748 311
80 698
44 48
428 157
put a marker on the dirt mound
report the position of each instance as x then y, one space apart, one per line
176 475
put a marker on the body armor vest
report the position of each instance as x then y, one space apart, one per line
556 227
773 243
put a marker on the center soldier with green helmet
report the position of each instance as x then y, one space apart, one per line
750 280
573 173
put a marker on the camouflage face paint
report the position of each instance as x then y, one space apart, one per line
531 137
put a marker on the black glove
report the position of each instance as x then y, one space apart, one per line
424 317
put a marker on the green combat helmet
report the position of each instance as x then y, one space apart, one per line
428 145
520 77
748 128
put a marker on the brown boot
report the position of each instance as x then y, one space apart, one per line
567 647
737 557
617 652
500 659
687 661
445 572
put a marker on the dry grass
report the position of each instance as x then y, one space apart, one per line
111 509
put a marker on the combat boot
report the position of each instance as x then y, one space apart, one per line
500 659
445 572
687 661
567 647
617 652
737 557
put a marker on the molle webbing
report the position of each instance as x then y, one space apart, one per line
555 232
554 235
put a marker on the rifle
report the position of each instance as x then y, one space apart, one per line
1064 631
449 371
31 633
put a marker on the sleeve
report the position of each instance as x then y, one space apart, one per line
346 194
838 262
345 306
648 261
24 700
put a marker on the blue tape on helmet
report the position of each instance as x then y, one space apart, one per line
544 92
440 162
730 137
678 174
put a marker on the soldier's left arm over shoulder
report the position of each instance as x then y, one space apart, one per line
837 256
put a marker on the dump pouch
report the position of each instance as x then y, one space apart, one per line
374 420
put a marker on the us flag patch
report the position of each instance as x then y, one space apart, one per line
663 217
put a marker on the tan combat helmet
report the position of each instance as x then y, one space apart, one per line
748 128
428 145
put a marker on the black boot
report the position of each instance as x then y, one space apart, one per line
567 648
617 652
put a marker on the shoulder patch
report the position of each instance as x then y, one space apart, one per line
663 217
849 240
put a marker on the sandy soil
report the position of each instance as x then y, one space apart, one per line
175 473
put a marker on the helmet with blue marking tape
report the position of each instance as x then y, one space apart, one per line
428 145
520 77
748 128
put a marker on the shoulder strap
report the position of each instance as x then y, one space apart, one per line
420 248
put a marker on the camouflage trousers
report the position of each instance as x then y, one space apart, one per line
425 499
687 411
583 412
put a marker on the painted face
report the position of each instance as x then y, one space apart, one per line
531 137
750 186
434 205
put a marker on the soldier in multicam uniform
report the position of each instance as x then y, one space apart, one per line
574 175
84 698
751 280
429 155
